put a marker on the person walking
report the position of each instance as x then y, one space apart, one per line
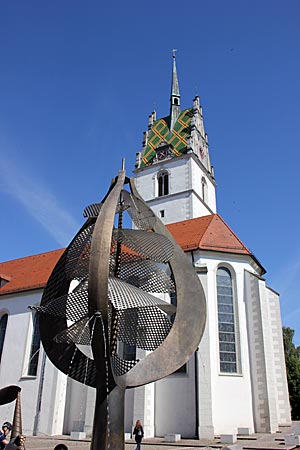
138 434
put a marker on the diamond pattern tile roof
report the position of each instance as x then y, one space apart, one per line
160 132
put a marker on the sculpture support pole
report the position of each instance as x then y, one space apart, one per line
99 438
116 404
108 431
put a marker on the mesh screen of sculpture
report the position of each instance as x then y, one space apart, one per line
110 292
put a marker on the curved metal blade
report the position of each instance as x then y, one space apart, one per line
78 333
124 296
73 306
145 274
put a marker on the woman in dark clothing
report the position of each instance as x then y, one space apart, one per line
138 433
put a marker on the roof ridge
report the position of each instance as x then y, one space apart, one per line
211 216
191 220
31 256
230 229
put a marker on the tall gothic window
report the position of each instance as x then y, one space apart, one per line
35 346
3 323
226 319
163 183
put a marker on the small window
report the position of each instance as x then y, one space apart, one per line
3 324
175 101
163 183
35 346
129 353
3 282
162 213
226 319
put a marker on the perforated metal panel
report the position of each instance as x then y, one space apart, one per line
72 306
145 274
149 245
78 333
124 296
142 218
145 328
92 210
121 366
78 254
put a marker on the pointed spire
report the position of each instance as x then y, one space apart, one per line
175 95
175 85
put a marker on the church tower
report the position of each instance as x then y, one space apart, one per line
173 173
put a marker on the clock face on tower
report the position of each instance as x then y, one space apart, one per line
162 152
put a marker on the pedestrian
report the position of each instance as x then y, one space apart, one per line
138 433
4 439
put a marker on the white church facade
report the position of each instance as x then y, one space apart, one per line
236 380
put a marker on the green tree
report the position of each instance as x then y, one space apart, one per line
292 361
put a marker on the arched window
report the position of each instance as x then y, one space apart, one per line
163 183
226 320
35 346
204 189
3 323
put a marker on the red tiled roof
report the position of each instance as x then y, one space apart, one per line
31 272
207 233
204 233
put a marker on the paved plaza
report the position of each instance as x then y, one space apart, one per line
256 441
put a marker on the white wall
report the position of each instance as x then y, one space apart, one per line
227 390
175 408
14 366
184 200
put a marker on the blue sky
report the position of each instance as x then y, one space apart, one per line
79 78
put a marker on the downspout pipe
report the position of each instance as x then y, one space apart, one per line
196 378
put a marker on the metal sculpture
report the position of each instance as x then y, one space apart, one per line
7 395
111 289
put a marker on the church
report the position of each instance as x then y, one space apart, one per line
235 382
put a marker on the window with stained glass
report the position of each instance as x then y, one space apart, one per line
226 320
